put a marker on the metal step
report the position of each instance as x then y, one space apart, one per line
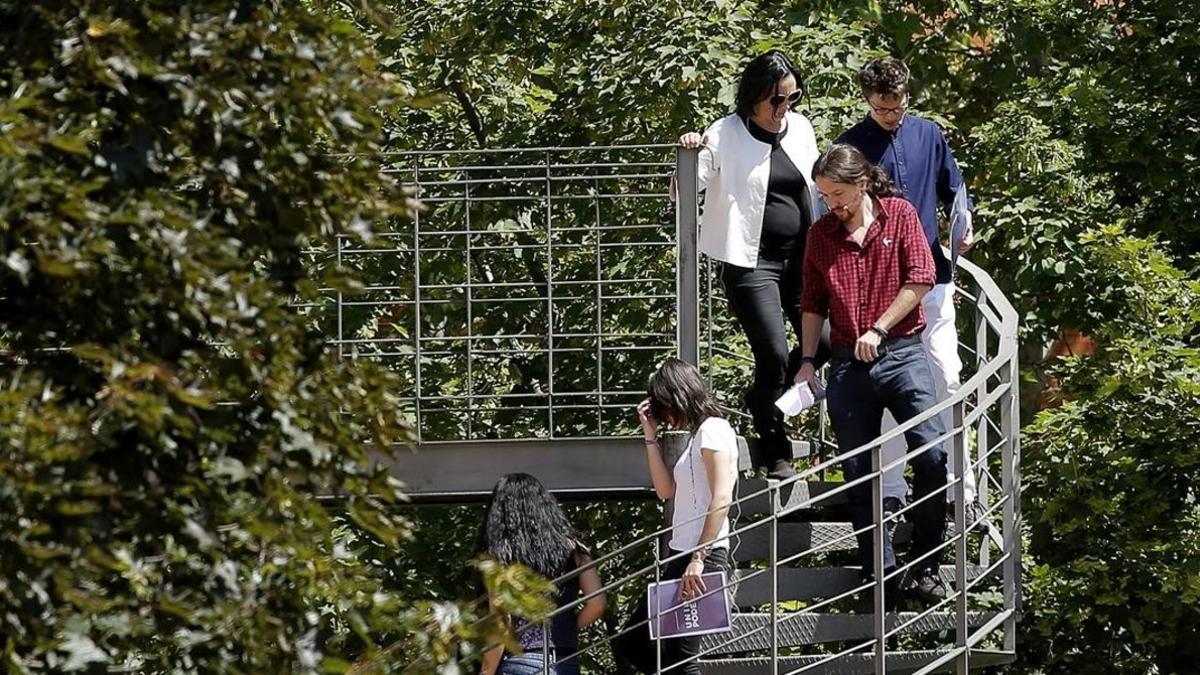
798 629
792 495
748 452
753 545
898 663
811 583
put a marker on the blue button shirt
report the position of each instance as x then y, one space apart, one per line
921 165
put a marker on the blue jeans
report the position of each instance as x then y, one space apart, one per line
526 664
900 381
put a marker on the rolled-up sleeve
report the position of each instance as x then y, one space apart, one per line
916 258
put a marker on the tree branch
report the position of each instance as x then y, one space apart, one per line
468 106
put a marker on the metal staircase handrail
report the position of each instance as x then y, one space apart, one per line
994 315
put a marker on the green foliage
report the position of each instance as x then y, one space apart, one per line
169 190
169 420
1113 516
1076 130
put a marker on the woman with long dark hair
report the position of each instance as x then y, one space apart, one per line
701 481
524 524
758 206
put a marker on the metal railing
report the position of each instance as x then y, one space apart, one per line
568 240
512 299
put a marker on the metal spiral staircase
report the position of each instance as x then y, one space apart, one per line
571 271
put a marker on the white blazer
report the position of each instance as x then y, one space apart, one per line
734 170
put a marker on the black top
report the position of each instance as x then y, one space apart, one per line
564 633
786 215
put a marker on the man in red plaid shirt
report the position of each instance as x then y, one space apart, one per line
867 265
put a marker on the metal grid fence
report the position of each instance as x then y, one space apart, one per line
532 293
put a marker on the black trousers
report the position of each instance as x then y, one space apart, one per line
762 299
634 650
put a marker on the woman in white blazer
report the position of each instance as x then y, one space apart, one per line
756 173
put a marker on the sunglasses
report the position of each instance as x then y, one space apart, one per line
778 99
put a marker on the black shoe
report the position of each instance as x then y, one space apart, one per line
928 586
865 602
974 514
781 469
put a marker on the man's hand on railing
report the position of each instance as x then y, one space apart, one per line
692 140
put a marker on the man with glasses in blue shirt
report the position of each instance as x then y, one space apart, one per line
914 153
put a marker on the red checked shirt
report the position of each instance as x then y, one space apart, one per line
854 285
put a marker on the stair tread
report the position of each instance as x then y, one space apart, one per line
793 495
748 452
809 583
806 628
793 538
898 663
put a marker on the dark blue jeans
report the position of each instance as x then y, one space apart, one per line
900 381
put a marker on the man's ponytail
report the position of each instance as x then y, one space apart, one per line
880 184
843 163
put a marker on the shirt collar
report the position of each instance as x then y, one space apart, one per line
839 233
877 128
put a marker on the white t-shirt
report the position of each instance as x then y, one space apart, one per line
692 494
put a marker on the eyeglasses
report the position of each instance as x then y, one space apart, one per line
890 111
778 99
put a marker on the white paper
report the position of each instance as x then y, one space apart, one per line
799 398
958 222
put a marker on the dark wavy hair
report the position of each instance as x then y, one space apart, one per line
525 524
887 76
760 77
843 163
678 395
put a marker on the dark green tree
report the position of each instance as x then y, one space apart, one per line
186 465
1076 129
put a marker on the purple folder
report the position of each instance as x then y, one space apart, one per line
709 614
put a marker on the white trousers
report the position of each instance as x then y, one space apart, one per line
940 339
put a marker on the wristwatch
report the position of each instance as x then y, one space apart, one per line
703 553
881 332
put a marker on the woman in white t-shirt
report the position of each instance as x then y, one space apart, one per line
701 483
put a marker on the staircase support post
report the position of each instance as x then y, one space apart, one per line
961 629
1010 480
982 436
878 534
774 495
687 269
657 614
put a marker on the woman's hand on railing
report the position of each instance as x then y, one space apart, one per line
692 140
